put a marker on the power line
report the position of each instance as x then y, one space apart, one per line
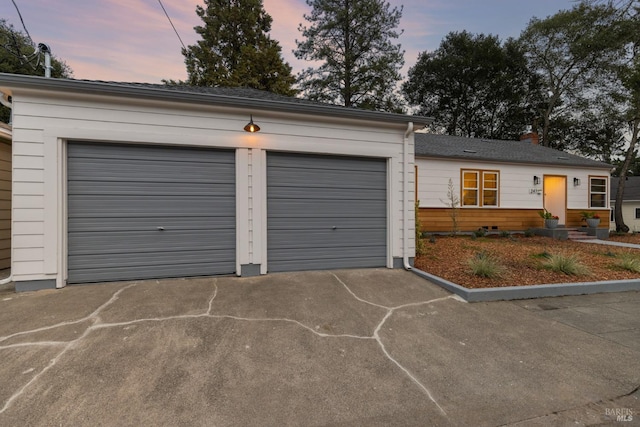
170 22
22 20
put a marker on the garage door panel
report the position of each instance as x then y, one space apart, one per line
170 223
322 222
170 189
324 163
149 206
138 259
331 208
141 273
307 196
167 172
290 177
119 196
327 193
176 241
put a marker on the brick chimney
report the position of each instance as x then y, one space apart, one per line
531 137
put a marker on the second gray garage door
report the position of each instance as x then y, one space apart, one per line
325 212
140 212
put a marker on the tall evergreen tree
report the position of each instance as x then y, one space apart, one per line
474 86
18 55
353 41
235 49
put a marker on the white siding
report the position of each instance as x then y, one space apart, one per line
41 126
516 182
629 216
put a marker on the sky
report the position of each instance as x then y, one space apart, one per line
132 40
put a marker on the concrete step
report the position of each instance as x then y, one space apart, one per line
579 235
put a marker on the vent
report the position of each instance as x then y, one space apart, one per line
470 151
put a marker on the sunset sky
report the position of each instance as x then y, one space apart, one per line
132 40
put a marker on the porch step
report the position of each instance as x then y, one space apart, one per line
579 235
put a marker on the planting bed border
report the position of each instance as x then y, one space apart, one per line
505 293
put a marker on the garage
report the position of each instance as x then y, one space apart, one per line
139 211
325 212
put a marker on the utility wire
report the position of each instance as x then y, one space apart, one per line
22 20
170 22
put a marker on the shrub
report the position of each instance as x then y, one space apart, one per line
567 264
480 232
484 265
505 233
629 262
529 233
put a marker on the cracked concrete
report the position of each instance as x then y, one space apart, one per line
352 347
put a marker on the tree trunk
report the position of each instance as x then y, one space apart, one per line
620 225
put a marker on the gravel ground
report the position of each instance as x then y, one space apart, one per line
523 260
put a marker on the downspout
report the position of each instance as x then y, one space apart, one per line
405 198
4 100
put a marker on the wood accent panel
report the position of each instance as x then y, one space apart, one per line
470 219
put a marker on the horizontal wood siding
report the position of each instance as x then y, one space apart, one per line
469 219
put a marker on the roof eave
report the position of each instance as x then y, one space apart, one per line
16 81
483 159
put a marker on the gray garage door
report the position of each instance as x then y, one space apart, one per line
139 212
325 212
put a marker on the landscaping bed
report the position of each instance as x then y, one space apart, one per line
522 260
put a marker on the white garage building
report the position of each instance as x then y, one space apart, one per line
120 181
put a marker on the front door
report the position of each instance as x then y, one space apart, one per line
555 196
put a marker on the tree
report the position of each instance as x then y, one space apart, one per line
19 55
353 40
235 49
474 86
570 51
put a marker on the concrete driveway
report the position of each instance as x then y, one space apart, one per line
353 347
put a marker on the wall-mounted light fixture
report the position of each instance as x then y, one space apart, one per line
576 182
536 180
251 127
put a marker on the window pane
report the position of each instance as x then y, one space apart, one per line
470 197
598 185
598 201
470 180
491 180
637 213
490 198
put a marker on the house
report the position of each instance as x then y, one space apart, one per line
503 185
122 181
630 202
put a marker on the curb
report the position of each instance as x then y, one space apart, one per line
507 293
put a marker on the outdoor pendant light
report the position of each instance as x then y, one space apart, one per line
251 127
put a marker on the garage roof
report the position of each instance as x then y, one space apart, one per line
230 97
457 147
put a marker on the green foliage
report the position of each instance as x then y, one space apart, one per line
359 62
474 86
235 49
529 233
432 238
567 264
18 55
572 53
543 254
505 233
485 265
480 232
420 248
629 262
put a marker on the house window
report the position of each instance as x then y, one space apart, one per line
480 188
597 192
637 213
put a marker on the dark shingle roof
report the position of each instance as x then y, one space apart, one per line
631 188
456 147
245 98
